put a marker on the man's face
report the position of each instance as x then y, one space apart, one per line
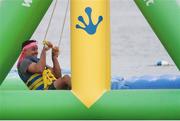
33 51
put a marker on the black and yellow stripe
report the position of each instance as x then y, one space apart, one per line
35 82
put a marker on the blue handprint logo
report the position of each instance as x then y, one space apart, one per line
90 28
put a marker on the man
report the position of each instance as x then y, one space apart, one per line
34 71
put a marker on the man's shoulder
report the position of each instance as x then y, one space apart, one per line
31 58
27 61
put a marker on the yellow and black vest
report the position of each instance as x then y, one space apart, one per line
41 81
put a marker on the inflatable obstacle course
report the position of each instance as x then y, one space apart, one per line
124 104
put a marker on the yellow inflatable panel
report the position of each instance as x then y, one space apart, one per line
90 35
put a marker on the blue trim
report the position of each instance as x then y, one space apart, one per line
33 80
41 87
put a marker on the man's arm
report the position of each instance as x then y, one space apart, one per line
40 66
56 65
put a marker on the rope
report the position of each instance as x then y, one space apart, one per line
64 22
47 30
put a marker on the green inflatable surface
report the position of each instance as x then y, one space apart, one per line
126 104
19 20
13 84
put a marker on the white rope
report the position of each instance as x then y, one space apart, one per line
64 22
52 14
